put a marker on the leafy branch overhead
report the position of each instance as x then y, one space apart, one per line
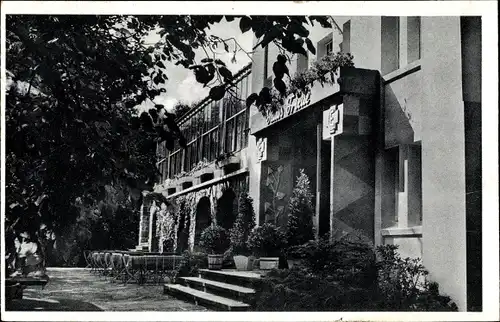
289 33
324 71
75 84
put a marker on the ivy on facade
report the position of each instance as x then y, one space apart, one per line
183 209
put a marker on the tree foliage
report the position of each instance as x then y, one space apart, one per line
71 126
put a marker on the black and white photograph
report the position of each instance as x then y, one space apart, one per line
292 160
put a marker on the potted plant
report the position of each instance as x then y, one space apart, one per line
300 228
225 159
202 168
243 225
214 241
267 242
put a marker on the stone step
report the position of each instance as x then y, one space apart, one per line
203 298
240 278
235 292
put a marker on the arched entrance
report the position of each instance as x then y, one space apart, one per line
203 219
226 209
183 233
154 237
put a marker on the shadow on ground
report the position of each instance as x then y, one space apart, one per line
29 304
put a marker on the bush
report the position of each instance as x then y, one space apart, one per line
214 240
403 284
299 290
266 240
300 223
348 262
243 225
191 263
342 275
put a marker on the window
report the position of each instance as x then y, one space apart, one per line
402 187
266 62
400 42
390 44
413 39
346 37
214 128
329 47
325 45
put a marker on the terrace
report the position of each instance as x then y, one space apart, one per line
77 289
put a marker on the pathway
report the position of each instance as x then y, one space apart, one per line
76 289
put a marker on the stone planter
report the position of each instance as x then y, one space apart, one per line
215 261
218 173
228 161
243 263
202 172
183 180
268 263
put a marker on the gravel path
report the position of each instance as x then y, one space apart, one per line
78 290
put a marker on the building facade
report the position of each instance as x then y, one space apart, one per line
393 150
392 146
201 183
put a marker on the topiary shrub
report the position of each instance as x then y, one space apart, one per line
300 222
243 225
266 240
214 240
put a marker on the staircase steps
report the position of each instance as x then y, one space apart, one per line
242 278
204 298
222 290
240 293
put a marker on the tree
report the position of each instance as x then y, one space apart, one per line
70 123
70 132
300 226
243 225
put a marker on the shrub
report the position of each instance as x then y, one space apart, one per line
266 240
214 240
243 225
299 290
403 284
191 263
300 224
343 275
348 262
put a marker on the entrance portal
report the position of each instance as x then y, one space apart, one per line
203 218
226 209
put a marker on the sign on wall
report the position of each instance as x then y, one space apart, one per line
333 119
292 105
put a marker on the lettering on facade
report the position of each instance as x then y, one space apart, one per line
261 149
292 105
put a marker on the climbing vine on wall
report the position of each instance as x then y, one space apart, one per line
165 229
275 208
182 211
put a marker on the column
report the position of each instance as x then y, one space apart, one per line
319 137
443 157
